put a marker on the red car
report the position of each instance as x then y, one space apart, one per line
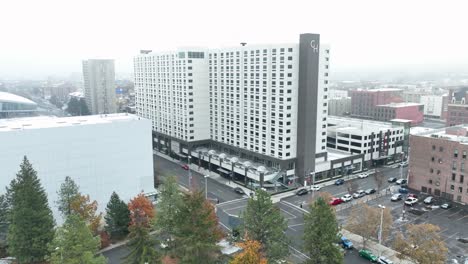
185 167
335 201
412 195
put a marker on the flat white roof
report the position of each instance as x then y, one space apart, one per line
400 104
419 130
442 134
358 126
13 98
52 121
380 90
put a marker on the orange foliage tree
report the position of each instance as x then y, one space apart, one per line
86 209
251 253
141 211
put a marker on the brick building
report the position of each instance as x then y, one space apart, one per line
457 110
364 102
438 163
409 111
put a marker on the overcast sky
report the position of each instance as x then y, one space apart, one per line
51 37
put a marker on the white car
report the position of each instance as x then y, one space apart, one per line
359 194
401 181
384 260
347 197
363 175
396 197
411 201
316 187
429 200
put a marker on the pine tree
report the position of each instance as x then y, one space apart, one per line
3 224
75 244
320 234
31 221
117 217
141 244
170 200
263 222
68 192
197 230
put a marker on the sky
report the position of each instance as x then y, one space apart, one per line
52 37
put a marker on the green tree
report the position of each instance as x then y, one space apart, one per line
263 222
83 107
320 234
170 200
31 222
3 224
74 243
197 230
73 106
117 217
68 192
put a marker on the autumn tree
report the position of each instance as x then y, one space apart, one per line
75 244
141 244
422 244
170 200
68 192
264 223
86 209
365 221
197 230
31 224
251 253
117 217
320 234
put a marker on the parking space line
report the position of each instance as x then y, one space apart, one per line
461 218
455 213
451 236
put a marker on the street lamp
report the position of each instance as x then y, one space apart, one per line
381 223
206 186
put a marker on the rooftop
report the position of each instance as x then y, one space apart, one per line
448 133
13 124
419 130
396 105
13 98
380 90
359 126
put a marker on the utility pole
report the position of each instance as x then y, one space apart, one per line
381 223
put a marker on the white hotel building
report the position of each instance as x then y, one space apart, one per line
258 110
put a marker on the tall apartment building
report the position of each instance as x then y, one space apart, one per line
99 86
457 110
264 104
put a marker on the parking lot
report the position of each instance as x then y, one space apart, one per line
453 222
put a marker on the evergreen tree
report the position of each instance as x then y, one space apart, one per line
3 224
73 106
320 234
83 107
197 230
31 223
170 201
263 222
117 217
68 192
141 244
74 243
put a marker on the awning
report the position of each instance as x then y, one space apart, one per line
223 171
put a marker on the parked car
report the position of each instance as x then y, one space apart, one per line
429 200
401 181
346 243
403 164
363 175
445 206
339 182
410 201
370 191
367 255
301 191
335 201
359 194
392 179
396 197
384 260
185 166
403 190
239 190
412 195
316 187
347 198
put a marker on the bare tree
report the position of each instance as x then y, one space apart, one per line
379 180
352 186
422 244
365 221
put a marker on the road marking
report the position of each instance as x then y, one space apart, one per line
461 218
455 213
233 201
296 225
299 252
295 207
293 216
451 236
233 208
224 226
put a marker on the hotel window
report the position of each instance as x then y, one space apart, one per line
464 154
455 153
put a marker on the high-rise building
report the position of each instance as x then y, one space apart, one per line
99 86
264 104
